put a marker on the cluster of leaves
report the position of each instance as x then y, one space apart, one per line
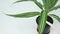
46 7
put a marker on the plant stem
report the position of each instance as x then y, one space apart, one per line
42 21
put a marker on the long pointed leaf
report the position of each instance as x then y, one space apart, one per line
22 1
55 16
54 8
48 4
38 4
42 21
25 15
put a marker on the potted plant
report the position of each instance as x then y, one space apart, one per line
46 7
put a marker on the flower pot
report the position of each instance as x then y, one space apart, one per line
47 27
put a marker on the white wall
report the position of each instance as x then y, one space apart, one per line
10 25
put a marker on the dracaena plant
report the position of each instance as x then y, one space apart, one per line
46 7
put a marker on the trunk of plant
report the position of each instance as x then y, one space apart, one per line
47 27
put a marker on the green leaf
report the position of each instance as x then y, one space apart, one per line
54 8
22 1
42 22
25 15
38 4
55 16
48 4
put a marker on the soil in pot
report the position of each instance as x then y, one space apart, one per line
47 27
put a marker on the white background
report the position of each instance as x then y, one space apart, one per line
10 25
